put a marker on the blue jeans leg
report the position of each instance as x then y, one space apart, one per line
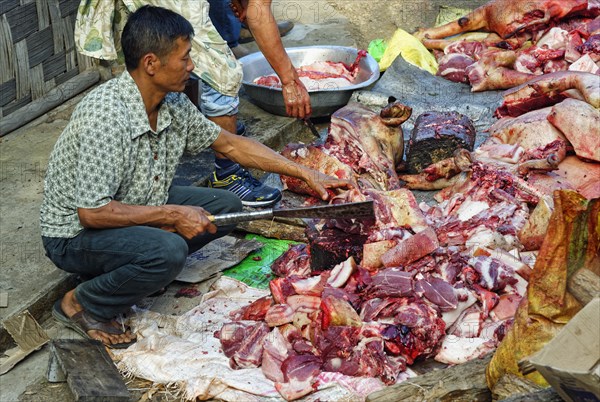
226 23
215 201
128 264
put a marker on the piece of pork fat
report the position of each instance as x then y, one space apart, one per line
458 350
303 303
300 372
361 139
549 89
580 123
531 131
507 17
276 350
494 275
313 157
312 286
279 314
468 324
411 249
338 312
295 261
341 273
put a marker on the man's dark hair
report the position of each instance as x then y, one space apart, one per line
152 30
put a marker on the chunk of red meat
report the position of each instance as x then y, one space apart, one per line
453 67
437 291
281 289
247 351
411 249
391 282
255 311
417 332
295 261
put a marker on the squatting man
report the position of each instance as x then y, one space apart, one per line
110 212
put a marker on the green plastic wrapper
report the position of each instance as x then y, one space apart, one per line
255 269
377 49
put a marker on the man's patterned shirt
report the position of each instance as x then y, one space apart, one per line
109 152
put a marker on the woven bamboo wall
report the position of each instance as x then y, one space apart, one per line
37 50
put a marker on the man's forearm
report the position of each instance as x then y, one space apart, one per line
253 154
261 22
116 214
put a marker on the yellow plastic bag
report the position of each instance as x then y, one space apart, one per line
572 242
411 49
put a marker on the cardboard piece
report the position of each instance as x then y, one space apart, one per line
216 256
571 361
28 335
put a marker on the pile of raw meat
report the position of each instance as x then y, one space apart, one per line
527 39
443 280
320 75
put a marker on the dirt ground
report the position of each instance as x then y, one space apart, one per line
384 17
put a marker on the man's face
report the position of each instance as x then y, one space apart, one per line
175 68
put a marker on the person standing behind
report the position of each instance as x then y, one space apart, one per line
231 29
98 28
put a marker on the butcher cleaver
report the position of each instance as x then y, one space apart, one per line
347 211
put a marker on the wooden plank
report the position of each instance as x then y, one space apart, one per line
53 98
461 383
91 374
274 230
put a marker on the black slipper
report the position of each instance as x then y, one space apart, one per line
82 322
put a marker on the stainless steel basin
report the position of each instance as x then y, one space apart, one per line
323 101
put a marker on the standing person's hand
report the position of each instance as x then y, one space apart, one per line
239 8
296 98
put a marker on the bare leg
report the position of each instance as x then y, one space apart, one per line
70 306
226 123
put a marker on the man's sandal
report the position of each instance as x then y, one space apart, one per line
81 322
